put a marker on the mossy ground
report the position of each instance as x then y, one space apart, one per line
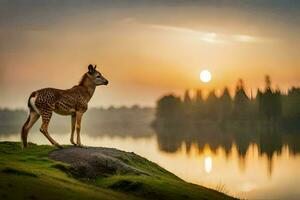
30 174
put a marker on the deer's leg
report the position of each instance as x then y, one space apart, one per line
73 122
32 118
78 126
46 116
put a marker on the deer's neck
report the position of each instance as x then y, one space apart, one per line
89 86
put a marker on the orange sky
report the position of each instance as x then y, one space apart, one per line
146 50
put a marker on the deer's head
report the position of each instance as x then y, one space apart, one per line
96 76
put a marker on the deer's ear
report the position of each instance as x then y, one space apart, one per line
95 67
91 69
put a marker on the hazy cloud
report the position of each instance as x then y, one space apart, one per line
211 37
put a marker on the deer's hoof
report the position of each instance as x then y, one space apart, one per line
81 146
59 146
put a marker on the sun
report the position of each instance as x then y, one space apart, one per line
205 76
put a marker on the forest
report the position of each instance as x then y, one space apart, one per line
269 107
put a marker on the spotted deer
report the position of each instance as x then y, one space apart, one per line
73 101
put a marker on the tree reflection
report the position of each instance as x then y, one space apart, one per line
269 141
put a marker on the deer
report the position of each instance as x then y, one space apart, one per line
73 101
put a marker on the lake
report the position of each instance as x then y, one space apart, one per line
252 168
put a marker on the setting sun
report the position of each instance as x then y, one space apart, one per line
205 76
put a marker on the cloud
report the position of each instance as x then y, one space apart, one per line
210 37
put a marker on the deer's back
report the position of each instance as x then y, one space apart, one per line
63 102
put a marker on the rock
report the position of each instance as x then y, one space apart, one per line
95 162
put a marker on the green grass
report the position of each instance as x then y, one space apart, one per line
30 174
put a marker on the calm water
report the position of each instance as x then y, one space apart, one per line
239 167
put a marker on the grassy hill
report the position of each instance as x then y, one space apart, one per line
31 174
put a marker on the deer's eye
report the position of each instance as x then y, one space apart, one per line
98 76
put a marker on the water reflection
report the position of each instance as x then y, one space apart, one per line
207 164
244 161
269 141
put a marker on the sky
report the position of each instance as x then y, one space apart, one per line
146 48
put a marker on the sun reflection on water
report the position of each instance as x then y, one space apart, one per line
207 164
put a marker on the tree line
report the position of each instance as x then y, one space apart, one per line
124 120
269 106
